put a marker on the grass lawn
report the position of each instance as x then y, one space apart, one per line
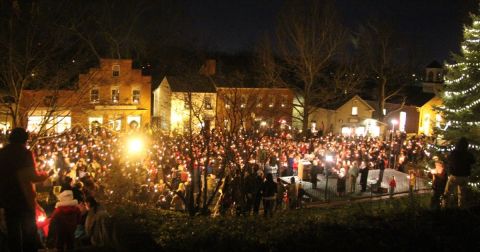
399 224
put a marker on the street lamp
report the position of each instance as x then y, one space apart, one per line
329 159
135 145
394 122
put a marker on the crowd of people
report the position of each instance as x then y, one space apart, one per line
80 166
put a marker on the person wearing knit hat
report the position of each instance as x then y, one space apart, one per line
64 220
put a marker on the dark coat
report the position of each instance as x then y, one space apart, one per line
460 162
17 175
269 189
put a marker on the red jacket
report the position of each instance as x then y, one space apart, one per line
66 219
393 183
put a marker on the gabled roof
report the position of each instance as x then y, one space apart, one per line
358 98
196 84
434 64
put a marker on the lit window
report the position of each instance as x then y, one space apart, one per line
243 101
346 131
208 103
133 121
272 102
63 123
403 121
360 131
384 111
95 121
116 70
34 123
115 124
94 96
259 102
354 111
136 96
284 101
115 95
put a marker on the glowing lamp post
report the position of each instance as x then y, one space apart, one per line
135 145
328 161
394 122
135 151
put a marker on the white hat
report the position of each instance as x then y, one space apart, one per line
65 198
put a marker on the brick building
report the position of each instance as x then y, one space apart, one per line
116 96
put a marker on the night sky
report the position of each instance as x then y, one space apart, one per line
433 27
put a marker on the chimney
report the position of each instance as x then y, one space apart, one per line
209 67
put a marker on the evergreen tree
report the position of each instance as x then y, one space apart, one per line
461 97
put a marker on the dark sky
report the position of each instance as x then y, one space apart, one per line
434 27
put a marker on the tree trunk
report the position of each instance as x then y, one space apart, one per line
306 108
381 101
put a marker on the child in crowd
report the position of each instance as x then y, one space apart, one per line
64 221
392 186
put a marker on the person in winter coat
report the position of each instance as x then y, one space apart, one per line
64 220
363 175
438 183
280 194
341 181
269 191
177 202
381 168
314 172
17 192
459 164
96 223
292 193
353 175
392 185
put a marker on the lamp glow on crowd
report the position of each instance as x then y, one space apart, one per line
135 145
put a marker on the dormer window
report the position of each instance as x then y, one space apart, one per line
116 70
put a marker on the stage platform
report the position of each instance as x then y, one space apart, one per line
319 192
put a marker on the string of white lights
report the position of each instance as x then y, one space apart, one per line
463 92
473 40
451 147
464 108
457 80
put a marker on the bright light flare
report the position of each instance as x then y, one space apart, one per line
135 145
41 218
329 158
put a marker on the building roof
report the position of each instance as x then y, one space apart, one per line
434 64
195 84
341 101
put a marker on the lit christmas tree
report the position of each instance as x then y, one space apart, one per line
461 97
